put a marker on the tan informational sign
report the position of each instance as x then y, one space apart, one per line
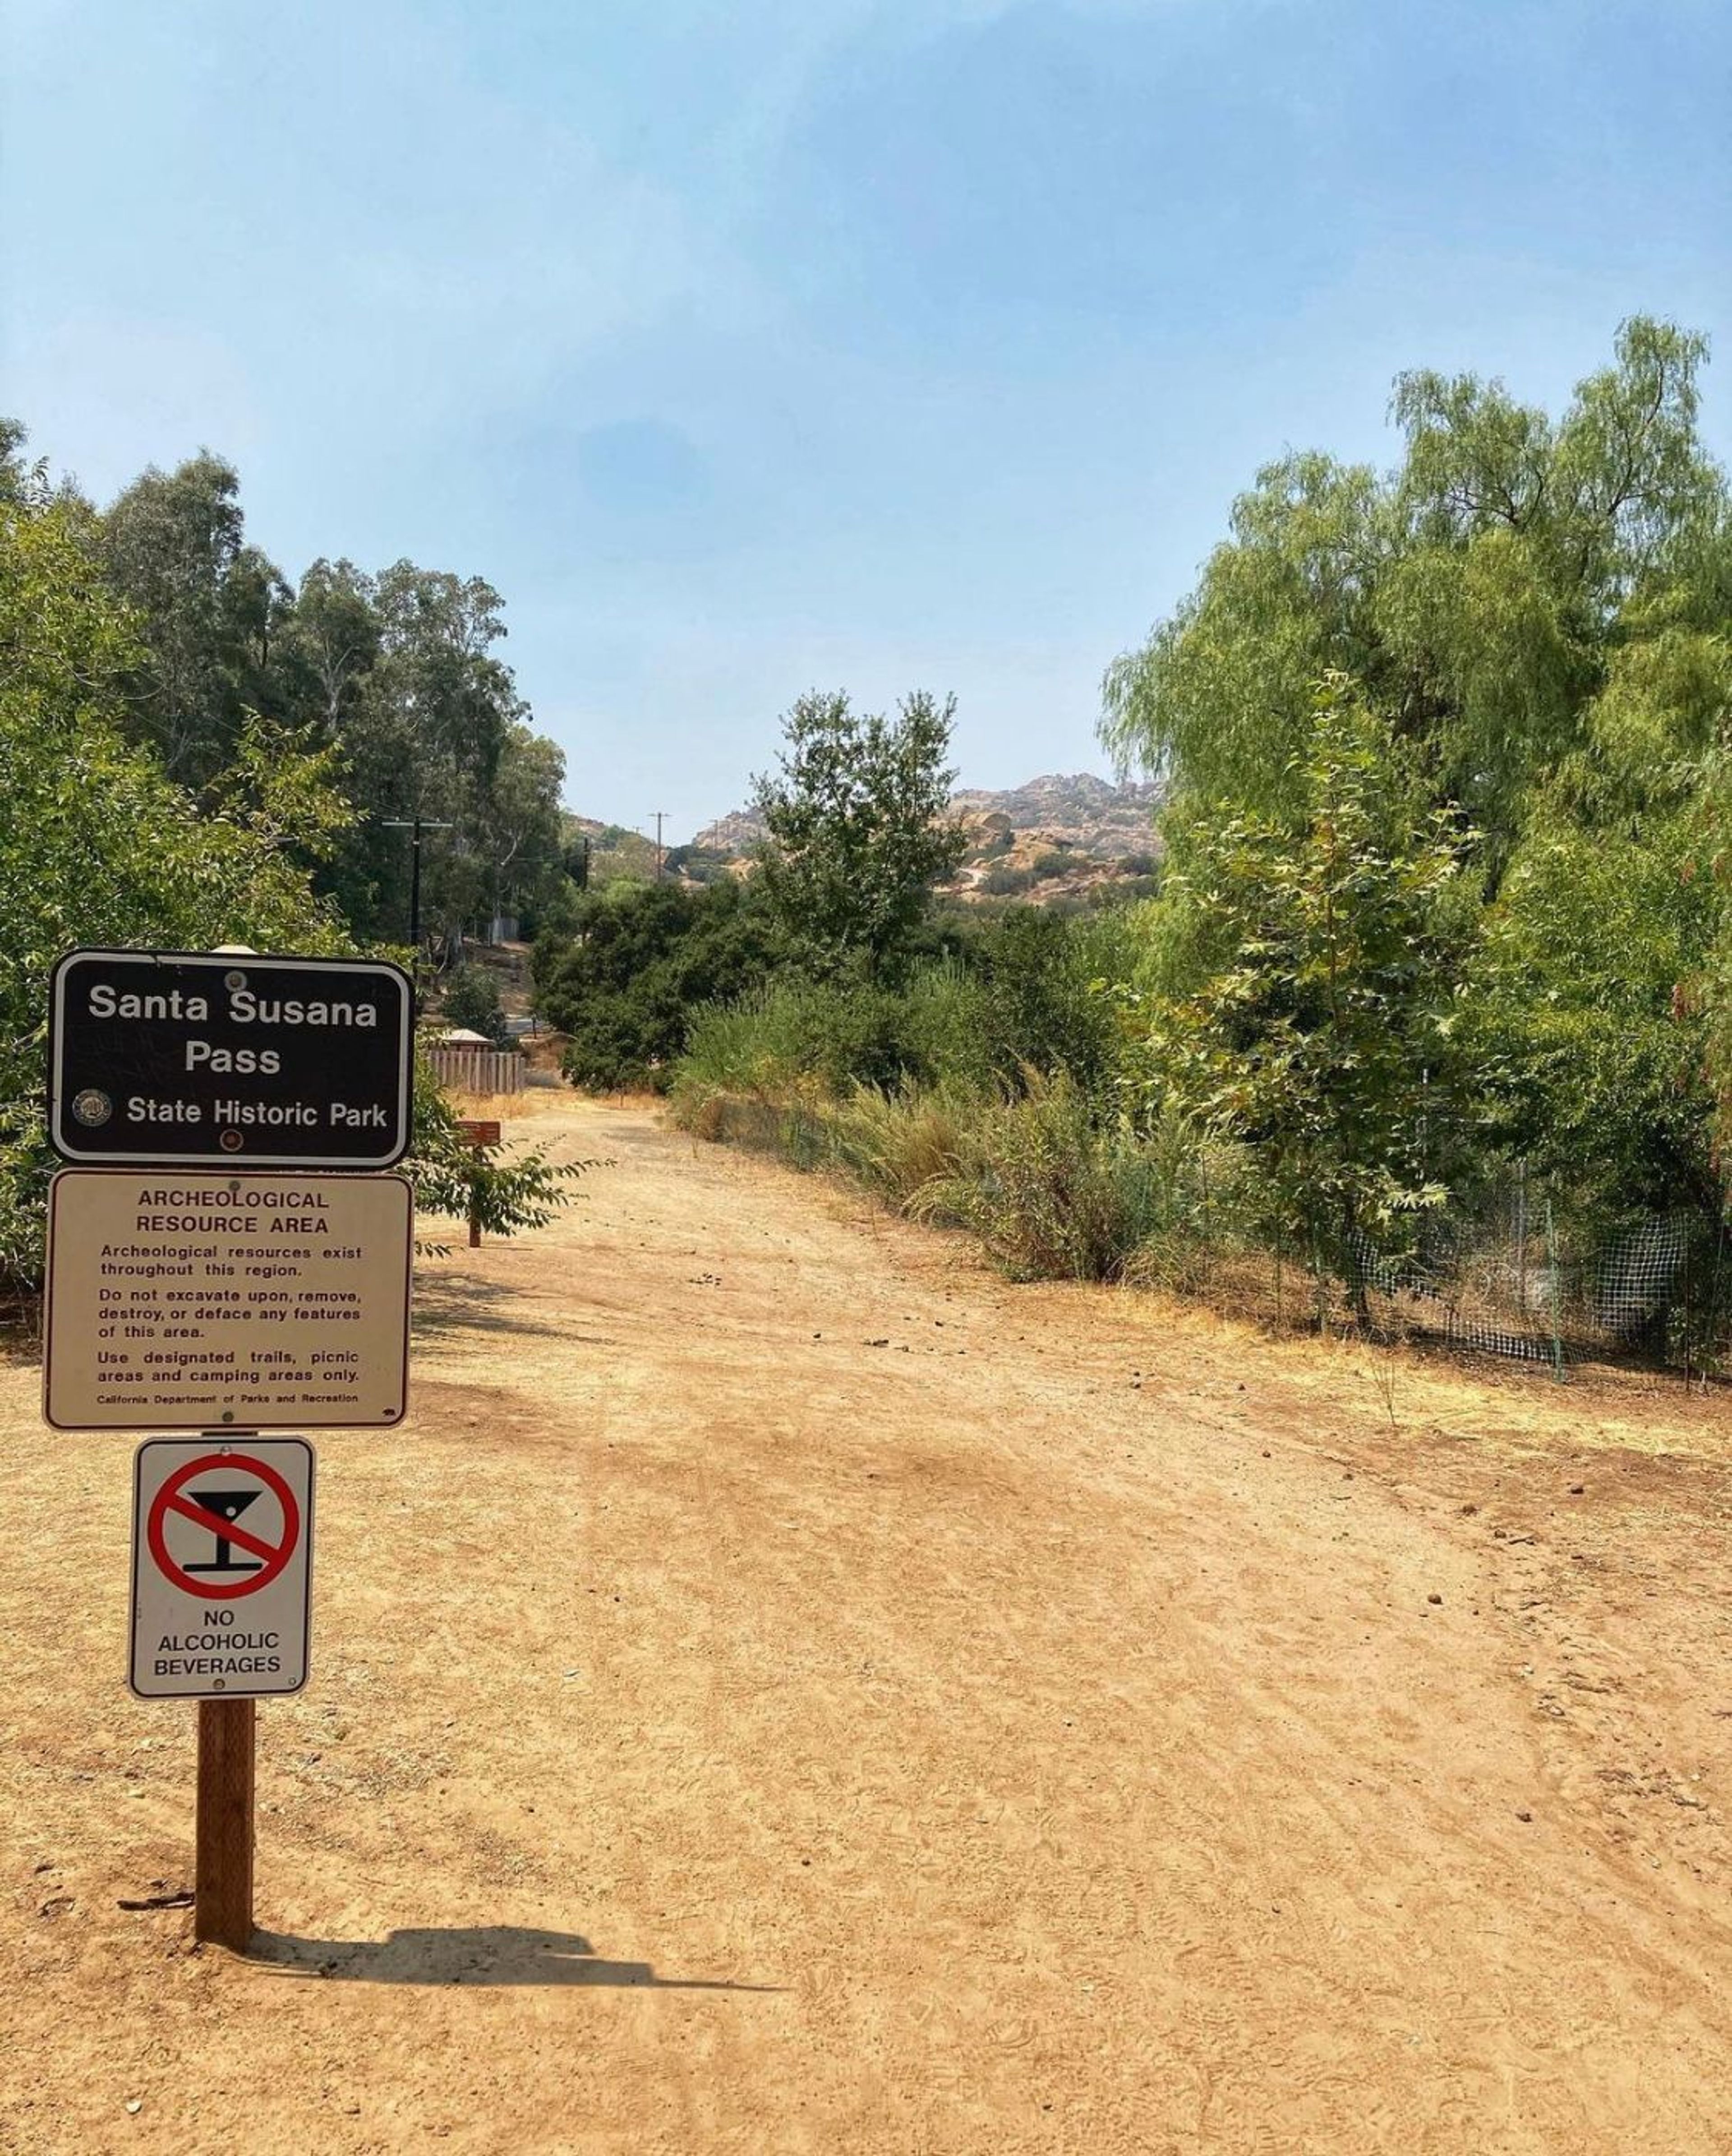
186 1299
222 1565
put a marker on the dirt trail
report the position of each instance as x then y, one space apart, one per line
808 1695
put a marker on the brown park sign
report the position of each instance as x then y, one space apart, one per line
209 1298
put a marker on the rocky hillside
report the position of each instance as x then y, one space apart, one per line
1058 837
1092 814
733 836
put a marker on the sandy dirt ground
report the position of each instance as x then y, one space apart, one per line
790 1690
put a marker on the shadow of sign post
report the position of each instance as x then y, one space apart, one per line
479 1955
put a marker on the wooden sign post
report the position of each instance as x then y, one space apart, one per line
481 1137
207 1267
222 1880
222 1593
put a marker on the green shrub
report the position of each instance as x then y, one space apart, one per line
946 1032
1043 1013
1051 1194
825 1038
644 957
472 999
980 1095
506 1194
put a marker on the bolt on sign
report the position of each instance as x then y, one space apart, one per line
213 1298
222 1567
189 1057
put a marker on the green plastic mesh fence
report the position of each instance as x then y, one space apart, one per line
1519 1269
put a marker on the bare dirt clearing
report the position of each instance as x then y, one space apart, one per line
790 1691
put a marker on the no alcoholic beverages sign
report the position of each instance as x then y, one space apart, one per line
197 1300
190 1057
222 1565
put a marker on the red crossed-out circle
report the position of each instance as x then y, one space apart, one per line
170 1498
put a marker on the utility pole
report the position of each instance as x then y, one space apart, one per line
660 814
415 825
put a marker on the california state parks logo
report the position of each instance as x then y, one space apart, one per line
92 1108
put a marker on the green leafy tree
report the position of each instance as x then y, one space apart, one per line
506 1192
1583 1020
100 846
1480 593
1038 969
210 611
643 959
1320 1041
287 788
519 826
333 637
472 999
428 729
857 814
1542 606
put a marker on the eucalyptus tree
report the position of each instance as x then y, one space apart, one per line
100 845
407 683
210 608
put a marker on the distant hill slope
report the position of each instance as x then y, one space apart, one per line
1063 835
732 836
1095 815
615 851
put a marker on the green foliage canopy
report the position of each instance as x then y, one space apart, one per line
858 829
397 674
102 845
1480 593
471 1000
1320 1042
643 958
1539 614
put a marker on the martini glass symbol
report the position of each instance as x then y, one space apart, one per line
227 1505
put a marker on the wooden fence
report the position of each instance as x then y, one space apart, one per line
477 1070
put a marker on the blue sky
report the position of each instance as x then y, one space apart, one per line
745 347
